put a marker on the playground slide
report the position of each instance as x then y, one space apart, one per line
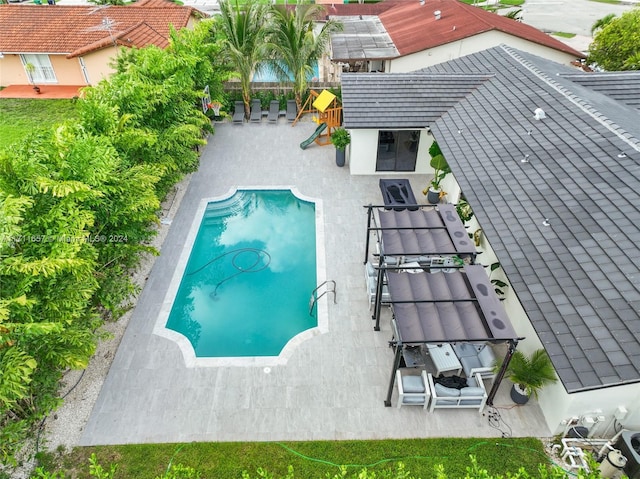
316 134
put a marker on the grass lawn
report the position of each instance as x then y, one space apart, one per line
563 34
309 459
19 117
612 2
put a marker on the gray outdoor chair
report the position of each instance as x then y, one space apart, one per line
412 390
256 111
274 111
292 110
238 113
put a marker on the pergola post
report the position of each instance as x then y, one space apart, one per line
366 249
379 288
396 366
512 345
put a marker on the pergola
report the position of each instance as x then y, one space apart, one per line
437 294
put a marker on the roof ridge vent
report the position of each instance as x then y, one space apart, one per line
437 14
539 114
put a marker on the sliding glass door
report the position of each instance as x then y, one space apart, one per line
397 150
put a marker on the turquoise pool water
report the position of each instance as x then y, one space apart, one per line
247 284
266 75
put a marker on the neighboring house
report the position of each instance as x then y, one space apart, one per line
74 45
556 198
399 36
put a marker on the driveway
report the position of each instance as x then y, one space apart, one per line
570 16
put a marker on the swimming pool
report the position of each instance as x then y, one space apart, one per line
268 76
246 283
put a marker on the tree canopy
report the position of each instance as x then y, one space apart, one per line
616 45
295 47
78 203
243 28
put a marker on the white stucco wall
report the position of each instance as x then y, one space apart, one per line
471 45
559 407
363 151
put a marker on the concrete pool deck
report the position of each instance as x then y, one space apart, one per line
333 384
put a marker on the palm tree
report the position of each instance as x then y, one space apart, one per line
243 29
294 46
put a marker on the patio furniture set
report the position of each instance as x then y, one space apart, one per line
422 390
445 312
273 114
476 360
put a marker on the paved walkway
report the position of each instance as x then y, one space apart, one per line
333 384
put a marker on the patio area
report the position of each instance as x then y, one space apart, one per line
334 384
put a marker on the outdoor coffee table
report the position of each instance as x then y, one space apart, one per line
444 359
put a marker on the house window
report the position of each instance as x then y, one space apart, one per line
397 150
42 71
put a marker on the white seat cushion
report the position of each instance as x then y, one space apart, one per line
443 391
469 391
413 384
486 357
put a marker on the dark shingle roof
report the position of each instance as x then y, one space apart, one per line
579 278
404 100
621 86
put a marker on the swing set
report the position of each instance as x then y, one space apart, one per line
327 113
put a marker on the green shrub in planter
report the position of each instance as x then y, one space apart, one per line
340 138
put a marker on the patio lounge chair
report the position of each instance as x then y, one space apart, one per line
398 194
274 111
292 110
256 111
238 113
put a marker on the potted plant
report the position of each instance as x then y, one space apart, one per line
31 69
529 374
340 139
440 169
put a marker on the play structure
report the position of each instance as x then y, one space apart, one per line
327 113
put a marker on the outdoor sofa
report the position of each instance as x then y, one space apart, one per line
474 395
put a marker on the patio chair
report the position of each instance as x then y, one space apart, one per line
274 111
371 279
292 110
476 358
256 111
412 389
238 113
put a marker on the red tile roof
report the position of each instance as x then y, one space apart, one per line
413 27
77 30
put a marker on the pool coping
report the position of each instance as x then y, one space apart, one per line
186 348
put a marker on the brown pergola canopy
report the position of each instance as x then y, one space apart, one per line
432 301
